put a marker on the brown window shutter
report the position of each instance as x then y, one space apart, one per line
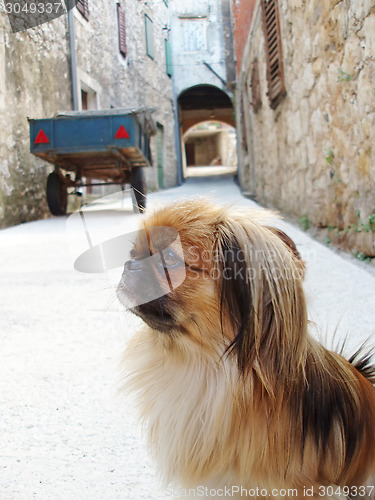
121 30
256 98
83 7
275 69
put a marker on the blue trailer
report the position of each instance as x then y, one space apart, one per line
108 146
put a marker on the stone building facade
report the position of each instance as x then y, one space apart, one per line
34 81
307 137
203 63
36 77
198 49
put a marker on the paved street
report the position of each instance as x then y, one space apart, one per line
65 432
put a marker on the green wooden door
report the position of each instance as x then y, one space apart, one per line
160 154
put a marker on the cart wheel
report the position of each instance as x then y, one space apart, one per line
57 196
137 182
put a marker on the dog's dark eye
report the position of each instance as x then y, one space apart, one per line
139 254
170 258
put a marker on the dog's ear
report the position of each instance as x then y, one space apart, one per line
262 299
236 300
292 247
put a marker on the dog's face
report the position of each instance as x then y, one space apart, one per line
181 246
239 280
157 261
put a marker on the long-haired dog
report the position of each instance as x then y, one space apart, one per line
233 389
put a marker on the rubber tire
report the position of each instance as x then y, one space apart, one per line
138 183
57 195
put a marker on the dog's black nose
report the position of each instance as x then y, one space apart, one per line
132 265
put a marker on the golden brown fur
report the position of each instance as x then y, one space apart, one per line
232 388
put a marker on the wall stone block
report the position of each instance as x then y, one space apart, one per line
320 139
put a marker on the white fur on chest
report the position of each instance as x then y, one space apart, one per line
187 408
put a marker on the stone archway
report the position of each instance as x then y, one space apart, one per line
210 143
203 103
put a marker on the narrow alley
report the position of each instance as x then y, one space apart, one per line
65 430
110 107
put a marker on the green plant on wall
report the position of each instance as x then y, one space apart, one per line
342 76
365 226
304 222
362 256
336 182
337 230
371 221
362 226
330 157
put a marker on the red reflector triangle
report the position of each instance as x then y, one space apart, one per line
122 133
41 138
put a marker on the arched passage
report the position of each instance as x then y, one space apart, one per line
210 143
202 103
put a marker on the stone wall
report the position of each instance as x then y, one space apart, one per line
133 81
313 157
198 41
242 13
35 81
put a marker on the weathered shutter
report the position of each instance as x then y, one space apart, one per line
275 70
256 99
149 27
168 60
83 7
121 30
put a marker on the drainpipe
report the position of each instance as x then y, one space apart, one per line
177 133
216 74
73 60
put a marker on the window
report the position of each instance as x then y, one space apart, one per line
84 100
83 7
275 70
89 99
168 60
194 34
149 28
121 30
256 99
